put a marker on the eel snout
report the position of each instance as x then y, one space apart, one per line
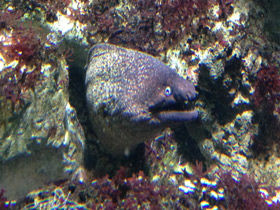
183 90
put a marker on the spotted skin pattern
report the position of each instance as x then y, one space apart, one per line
132 96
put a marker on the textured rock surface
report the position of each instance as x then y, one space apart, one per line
41 139
221 46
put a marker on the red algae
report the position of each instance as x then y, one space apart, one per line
23 47
267 89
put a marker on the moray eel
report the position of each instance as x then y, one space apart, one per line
132 96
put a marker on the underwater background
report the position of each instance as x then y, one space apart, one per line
226 159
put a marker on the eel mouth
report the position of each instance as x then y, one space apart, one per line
174 112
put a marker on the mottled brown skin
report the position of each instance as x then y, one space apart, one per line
132 96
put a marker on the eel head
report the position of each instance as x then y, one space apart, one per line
172 101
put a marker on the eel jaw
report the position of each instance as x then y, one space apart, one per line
177 116
174 112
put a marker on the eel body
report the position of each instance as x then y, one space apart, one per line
132 96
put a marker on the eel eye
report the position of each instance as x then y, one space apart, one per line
167 91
